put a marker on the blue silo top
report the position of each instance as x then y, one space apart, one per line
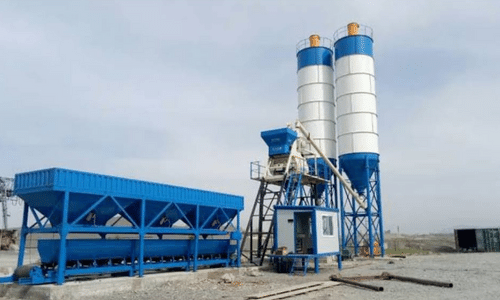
353 44
314 56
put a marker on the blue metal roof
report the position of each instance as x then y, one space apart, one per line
61 180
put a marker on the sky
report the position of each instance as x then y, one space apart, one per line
178 92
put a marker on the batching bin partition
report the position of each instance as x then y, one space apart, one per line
193 227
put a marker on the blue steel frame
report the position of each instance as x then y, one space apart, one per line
305 257
360 226
64 181
296 192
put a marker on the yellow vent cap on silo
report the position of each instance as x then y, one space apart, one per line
314 40
353 28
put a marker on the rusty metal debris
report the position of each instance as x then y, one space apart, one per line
388 276
361 278
397 256
355 283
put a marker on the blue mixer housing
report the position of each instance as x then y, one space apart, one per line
279 140
65 201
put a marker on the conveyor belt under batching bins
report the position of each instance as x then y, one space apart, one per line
65 201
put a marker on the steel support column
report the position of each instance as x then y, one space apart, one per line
342 218
355 228
360 226
238 262
380 215
141 237
369 208
63 232
24 233
196 238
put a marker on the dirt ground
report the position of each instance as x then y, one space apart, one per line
474 276
420 243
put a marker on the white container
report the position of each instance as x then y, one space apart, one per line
316 106
356 104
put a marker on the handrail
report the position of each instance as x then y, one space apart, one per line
256 170
324 42
362 30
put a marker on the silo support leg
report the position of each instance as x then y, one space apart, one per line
371 239
380 218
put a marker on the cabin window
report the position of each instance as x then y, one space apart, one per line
327 225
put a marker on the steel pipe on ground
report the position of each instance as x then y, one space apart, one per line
417 280
355 283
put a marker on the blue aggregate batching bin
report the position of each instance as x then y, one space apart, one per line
66 201
84 249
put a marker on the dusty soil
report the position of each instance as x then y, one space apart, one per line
474 276
424 242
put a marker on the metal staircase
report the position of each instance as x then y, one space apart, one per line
260 225
294 189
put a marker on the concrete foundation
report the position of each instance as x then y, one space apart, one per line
105 286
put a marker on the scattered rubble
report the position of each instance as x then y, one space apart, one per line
253 273
7 239
227 278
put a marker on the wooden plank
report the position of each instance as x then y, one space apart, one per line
285 290
303 291
294 290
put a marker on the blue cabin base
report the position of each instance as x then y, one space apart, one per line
307 233
293 262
